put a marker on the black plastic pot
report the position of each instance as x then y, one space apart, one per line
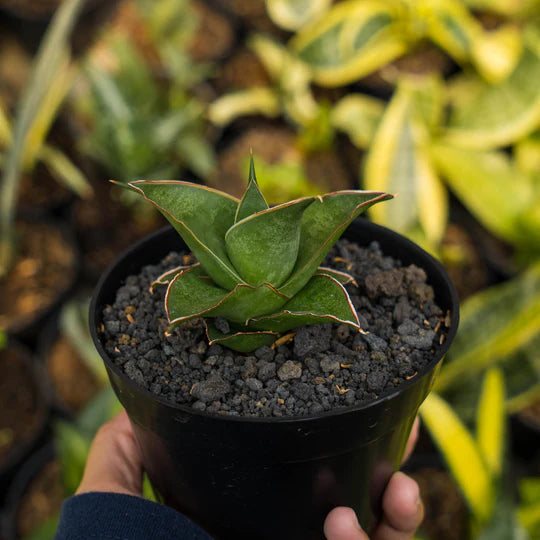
269 478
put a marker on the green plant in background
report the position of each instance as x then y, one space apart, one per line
477 462
258 272
49 82
142 127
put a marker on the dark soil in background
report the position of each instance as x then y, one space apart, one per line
313 369
446 514
73 382
21 407
42 499
44 268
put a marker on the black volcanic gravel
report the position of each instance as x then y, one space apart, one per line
322 367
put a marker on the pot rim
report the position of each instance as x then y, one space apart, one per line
437 358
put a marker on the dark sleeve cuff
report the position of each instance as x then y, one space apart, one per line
123 517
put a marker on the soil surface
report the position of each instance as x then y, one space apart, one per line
313 369
21 412
42 500
73 382
44 268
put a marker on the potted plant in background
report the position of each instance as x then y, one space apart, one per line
265 441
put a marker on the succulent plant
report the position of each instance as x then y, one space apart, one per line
258 272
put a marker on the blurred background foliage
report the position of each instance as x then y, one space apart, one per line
435 101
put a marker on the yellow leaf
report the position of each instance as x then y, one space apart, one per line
5 128
293 14
490 421
461 454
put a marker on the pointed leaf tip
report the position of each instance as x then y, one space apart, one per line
253 200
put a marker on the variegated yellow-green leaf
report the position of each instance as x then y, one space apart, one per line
451 26
258 100
290 76
490 421
499 115
293 14
461 453
351 40
527 154
497 53
485 181
399 161
493 324
5 128
52 99
358 116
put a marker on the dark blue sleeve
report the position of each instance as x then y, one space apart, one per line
114 516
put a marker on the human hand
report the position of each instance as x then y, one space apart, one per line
114 465
403 510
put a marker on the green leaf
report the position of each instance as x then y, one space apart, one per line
358 116
263 247
293 14
191 294
323 223
491 187
493 325
45 530
241 341
322 300
202 216
253 200
490 421
499 115
352 40
399 162
461 453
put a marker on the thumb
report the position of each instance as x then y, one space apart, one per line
342 524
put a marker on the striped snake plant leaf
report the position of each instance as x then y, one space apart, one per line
258 267
490 421
494 324
498 115
351 40
469 172
462 455
358 116
399 161
293 14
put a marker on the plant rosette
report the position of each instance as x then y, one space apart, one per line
265 384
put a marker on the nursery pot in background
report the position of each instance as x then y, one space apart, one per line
267 478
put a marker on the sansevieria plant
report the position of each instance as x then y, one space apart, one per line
257 273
